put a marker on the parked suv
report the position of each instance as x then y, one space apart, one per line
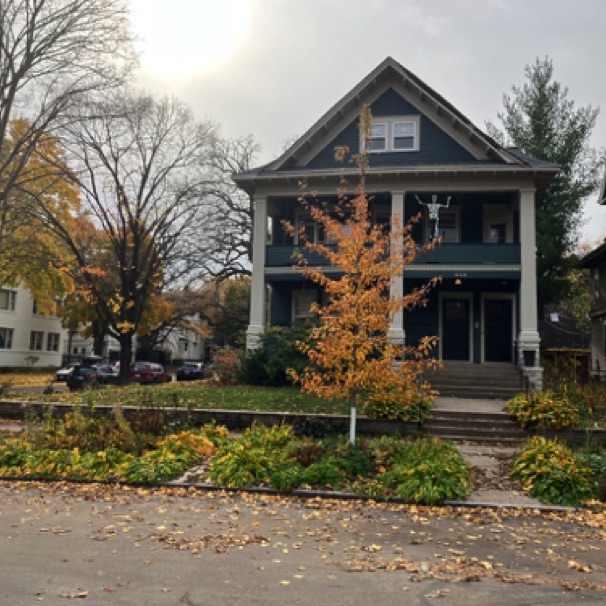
149 372
190 371
83 375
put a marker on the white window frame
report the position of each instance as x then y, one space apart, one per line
8 337
376 138
53 341
36 340
311 295
11 299
390 123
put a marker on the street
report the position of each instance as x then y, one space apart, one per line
171 546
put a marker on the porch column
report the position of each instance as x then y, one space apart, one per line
396 330
257 291
528 338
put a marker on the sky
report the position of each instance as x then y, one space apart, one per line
271 68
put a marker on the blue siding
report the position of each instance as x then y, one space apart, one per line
436 146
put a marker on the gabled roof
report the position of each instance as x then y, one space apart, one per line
596 257
387 72
484 152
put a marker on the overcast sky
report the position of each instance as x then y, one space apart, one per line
271 68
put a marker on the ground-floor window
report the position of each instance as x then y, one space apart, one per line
52 341
6 338
36 338
302 300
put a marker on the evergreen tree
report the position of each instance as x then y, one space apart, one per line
544 123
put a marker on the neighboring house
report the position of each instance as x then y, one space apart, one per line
27 337
595 261
422 150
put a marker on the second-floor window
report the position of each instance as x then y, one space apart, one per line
6 338
36 338
8 299
307 230
448 226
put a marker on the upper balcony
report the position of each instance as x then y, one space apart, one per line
444 254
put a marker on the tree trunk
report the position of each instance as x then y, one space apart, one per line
126 352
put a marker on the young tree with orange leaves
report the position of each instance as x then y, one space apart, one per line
351 353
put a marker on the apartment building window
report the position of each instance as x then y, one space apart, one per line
6 338
36 338
8 299
52 341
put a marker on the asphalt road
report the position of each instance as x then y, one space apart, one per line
107 545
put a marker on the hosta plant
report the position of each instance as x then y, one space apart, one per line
543 409
552 473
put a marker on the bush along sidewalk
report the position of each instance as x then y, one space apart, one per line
554 474
78 447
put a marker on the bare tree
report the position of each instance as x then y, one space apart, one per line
224 248
52 53
143 166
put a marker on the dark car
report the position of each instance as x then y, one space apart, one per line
83 375
190 371
149 372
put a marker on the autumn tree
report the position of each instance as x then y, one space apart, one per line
53 53
351 353
31 254
544 123
142 168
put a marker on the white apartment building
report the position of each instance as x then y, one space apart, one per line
27 337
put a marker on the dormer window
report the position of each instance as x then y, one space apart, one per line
394 134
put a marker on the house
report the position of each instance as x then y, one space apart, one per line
595 262
28 338
425 157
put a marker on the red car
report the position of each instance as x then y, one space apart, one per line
149 372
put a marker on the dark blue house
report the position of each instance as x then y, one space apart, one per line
422 151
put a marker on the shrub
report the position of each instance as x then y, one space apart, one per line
277 353
552 473
543 409
429 471
224 366
412 408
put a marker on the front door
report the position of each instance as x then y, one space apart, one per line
498 329
455 329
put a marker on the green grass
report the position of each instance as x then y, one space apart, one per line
188 395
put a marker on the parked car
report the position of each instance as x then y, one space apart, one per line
83 375
149 372
190 371
63 373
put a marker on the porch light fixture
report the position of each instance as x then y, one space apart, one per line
458 282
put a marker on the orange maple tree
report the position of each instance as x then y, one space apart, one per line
351 353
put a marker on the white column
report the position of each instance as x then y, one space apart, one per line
396 330
258 292
528 339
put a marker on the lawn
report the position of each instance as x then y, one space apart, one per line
197 395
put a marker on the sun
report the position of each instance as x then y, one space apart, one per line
184 37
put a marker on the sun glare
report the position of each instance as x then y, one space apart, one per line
183 37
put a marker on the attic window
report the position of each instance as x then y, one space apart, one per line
394 134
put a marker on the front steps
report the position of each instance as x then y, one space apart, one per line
485 381
474 427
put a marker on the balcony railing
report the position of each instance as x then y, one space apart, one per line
445 254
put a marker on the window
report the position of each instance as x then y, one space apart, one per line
448 226
378 137
394 134
8 299
52 341
497 233
404 135
307 230
302 300
36 338
6 338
